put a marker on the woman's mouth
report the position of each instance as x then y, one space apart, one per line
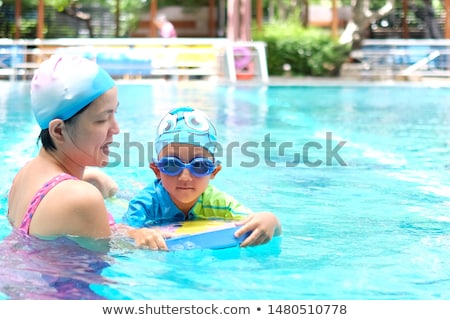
105 148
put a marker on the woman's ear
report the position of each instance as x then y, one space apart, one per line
55 129
155 170
216 171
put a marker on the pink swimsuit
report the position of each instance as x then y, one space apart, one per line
25 225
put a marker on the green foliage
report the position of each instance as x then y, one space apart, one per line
28 28
59 5
308 51
184 3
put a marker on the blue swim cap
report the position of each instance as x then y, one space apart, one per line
187 126
65 84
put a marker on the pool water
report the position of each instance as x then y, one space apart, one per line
358 175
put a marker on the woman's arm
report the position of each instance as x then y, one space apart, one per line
103 182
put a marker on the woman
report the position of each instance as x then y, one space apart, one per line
74 102
165 28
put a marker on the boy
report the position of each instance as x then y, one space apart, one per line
185 145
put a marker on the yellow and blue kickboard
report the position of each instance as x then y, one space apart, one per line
203 234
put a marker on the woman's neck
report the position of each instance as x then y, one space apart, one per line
61 162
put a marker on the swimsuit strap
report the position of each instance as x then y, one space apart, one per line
25 225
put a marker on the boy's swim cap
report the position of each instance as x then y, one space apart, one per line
186 125
63 85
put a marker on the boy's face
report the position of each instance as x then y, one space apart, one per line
185 188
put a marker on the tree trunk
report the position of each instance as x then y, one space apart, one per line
361 19
304 13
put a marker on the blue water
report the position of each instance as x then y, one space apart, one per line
368 220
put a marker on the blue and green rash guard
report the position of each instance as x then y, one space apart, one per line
153 206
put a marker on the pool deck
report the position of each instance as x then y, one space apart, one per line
308 81
339 81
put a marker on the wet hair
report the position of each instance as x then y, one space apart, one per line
45 138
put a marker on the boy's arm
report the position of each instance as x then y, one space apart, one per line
136 214
218 204
140 211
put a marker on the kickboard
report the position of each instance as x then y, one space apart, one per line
203 234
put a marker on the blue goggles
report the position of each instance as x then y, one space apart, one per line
173 166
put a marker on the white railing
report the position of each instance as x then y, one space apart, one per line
144 57
404 58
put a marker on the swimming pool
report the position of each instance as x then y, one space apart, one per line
365 212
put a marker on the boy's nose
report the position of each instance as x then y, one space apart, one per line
185 175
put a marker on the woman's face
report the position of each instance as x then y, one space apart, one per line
92 133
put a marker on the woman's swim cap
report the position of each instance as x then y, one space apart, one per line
186 125
65 84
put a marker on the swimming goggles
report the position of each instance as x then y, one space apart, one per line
173 166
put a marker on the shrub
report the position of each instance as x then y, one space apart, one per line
308 51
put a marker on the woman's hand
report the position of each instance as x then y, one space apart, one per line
263 227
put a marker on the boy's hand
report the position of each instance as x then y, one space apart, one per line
263 227
151 238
